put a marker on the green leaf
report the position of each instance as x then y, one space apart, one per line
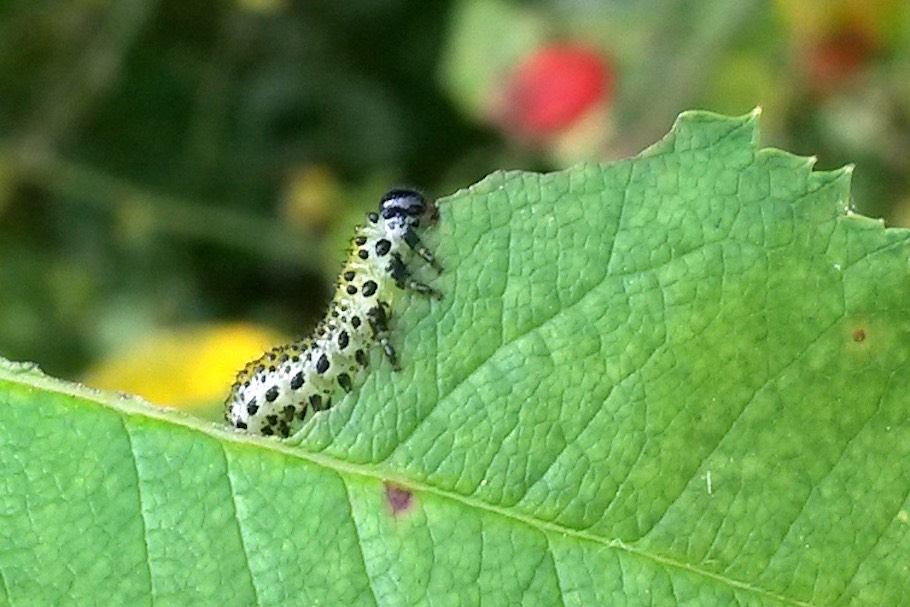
675 379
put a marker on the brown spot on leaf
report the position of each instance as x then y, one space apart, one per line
400 500
859 335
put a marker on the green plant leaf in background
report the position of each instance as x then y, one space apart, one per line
676 379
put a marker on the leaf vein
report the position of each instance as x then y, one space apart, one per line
139 500
239 522
363 557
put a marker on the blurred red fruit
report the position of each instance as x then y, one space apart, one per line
554 89
837 58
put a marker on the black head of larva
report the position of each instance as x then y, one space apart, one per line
404 204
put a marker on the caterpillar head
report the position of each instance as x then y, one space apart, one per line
406 208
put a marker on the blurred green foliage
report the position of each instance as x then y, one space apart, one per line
167 163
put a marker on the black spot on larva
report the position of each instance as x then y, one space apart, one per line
349 275
316 402
351 289
399 499
241 425
283 429
267 431
383 246
355 322
252 407
343 339
344 380
363 254
297 381
360 241
288 412
322 365
373 217
361 357
369 288
271 419
271 394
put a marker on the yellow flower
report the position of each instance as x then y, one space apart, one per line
190 368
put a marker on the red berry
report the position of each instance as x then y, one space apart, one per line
554 88
839 56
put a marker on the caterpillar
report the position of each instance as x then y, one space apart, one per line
286 382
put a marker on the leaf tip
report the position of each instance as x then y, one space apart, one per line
700 129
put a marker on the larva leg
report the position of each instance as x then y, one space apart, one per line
379 323
403 280
413 241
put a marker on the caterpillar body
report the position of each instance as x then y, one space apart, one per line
288 381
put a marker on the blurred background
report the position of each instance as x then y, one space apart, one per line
178 180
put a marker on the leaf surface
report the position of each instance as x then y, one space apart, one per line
678 379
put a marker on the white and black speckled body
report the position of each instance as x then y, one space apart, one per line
286 382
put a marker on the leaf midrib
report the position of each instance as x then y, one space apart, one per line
136 407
